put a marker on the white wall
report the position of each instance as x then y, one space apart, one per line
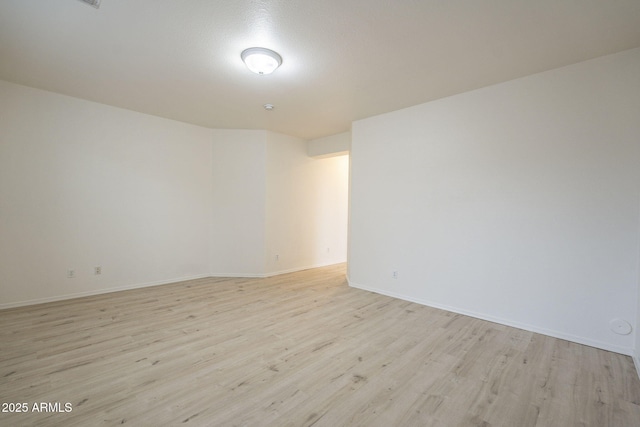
271 199
331 145
239 194
84 185
307 206
518 203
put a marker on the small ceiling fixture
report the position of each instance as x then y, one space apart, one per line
261 60
268 107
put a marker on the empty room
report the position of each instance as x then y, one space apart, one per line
335 213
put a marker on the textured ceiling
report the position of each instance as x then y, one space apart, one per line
343 59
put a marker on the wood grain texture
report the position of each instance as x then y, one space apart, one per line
298 349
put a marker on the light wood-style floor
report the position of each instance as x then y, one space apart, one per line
299 349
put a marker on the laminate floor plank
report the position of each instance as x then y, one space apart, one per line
300 349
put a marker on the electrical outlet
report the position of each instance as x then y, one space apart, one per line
277 257
97 270
395 274
71 274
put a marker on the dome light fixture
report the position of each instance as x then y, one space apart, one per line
261 60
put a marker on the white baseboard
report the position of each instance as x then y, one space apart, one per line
274 273
98 292
148 284
532 328
293 270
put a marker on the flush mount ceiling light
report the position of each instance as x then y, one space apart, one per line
261 60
